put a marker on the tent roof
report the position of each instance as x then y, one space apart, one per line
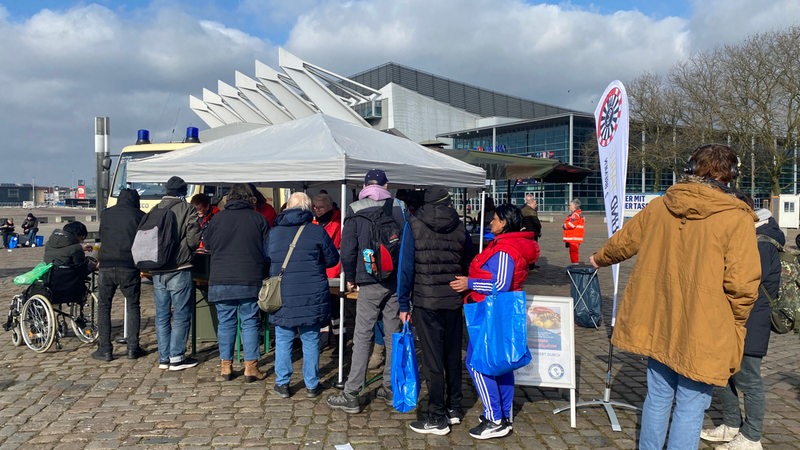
315 149
504 166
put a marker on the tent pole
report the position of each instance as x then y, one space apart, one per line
483 214
342 289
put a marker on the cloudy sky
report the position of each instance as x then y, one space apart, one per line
64 62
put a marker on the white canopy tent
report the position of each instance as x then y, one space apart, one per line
304 152
318 149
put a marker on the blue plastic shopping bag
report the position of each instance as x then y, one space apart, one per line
405 376
498 333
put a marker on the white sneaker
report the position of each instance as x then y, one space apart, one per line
722 433
739 442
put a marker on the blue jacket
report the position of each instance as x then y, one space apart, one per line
304 288
756 341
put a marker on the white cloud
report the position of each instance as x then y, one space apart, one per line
60 69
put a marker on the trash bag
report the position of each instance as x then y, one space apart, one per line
498 333
405 375
585 291
34 274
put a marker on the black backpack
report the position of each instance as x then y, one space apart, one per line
156 242
383 252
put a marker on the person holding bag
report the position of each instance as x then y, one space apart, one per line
236 241
304 290
502 266
434 252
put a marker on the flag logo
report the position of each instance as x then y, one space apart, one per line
610 113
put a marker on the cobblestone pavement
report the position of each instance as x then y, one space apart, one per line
64 399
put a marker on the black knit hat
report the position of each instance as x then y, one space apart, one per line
437 195
176 187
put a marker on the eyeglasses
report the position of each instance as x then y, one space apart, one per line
319 207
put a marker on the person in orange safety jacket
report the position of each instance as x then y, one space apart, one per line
573 230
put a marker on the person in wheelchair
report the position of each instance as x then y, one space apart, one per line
65 249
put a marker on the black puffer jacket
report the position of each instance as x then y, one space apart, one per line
304 288
756 341
117 229
439 255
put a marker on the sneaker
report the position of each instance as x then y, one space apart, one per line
384 394
163 365
314 393
722 433
429 426
282 390
346 402
739 442
455 416
488 429
185 363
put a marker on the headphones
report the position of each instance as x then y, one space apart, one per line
691 167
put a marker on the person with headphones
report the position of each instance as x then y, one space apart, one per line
689 295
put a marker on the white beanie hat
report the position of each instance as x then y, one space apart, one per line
763 216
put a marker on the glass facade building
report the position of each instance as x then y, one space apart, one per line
562 137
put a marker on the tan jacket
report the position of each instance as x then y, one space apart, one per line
694 283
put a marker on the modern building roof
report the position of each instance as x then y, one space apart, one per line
476 100
510 126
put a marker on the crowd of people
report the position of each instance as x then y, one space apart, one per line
695 304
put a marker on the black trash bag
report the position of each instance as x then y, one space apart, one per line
585 291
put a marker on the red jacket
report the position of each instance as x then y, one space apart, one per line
334 230
573 227
268 212
522 249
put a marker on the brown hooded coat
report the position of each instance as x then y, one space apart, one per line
694 283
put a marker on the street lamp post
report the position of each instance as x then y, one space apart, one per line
33 192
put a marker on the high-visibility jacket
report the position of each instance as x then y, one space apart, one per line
573 227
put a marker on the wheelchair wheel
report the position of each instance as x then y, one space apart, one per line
16 336
13 320
38 325
84 319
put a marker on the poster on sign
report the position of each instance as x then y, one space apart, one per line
551 341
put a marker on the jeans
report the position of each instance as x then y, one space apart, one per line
247 309
747 381
31 236
130 284
692 398
309 337
174 297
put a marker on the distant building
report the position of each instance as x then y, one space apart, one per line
12 194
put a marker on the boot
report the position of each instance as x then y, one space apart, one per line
377 358
226 370
251 372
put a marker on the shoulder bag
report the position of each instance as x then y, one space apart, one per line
269 296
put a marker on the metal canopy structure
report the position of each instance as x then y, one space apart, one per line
503 166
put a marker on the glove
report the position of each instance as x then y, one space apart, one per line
566 244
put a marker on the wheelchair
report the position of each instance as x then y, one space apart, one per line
60 297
